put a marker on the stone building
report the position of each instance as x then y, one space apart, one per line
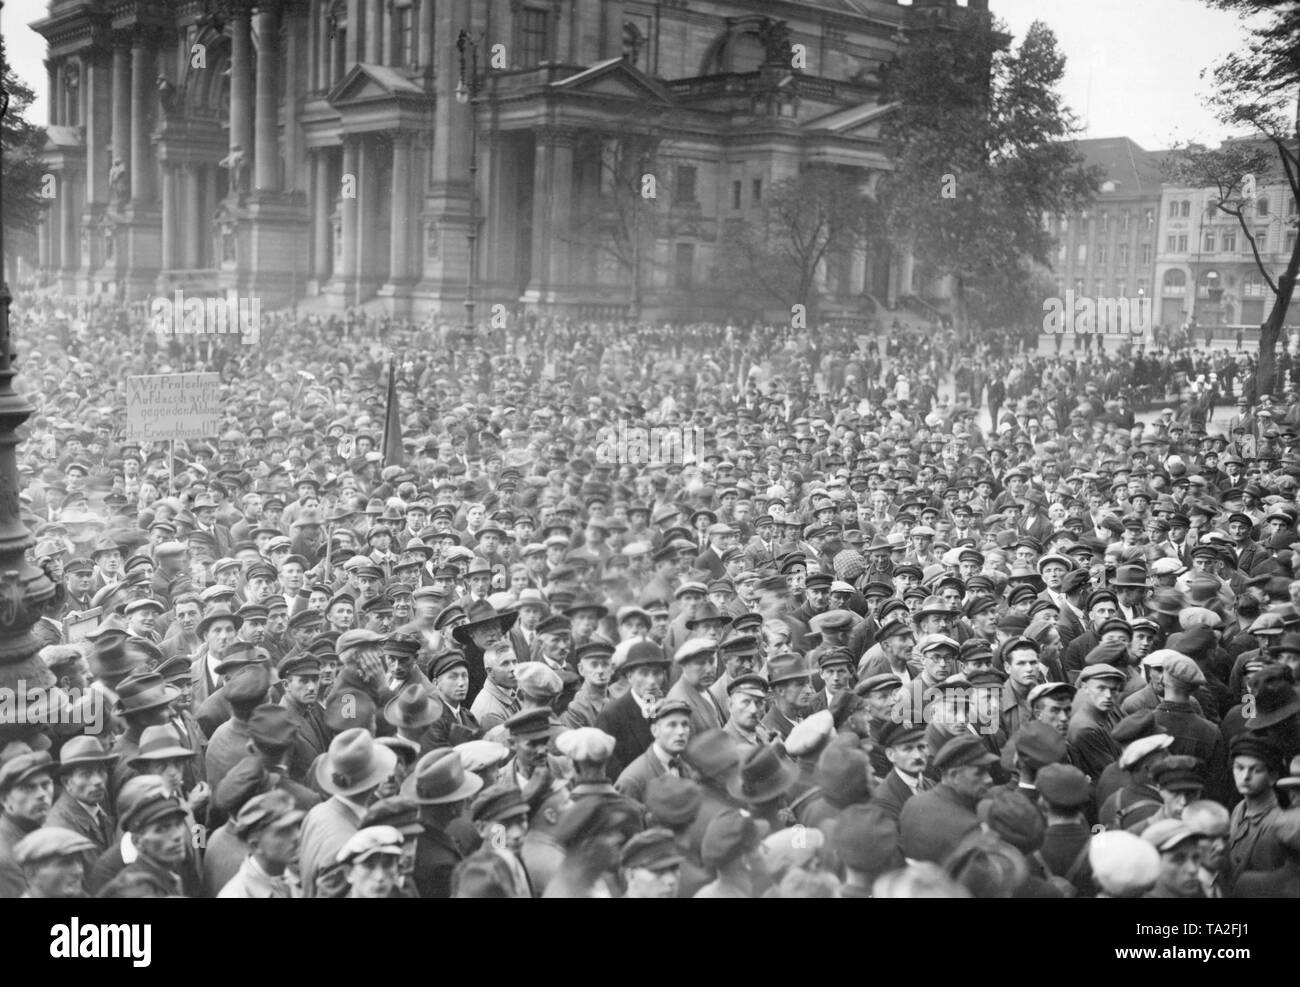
324 148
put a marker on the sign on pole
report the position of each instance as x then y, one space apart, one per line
172 406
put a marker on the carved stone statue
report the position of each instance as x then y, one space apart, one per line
775 38
119 183
166 95
238 165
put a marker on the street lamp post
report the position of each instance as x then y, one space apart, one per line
467 89
25 589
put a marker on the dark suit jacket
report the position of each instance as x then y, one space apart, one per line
68 813
892 793
447 731
623 721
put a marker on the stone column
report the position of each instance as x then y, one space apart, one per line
388 19
241 120
52 83
295 52
322 199
143 76
169 254
424 47
43 241
98 118
70 240
315 28
611 34
552 198
194 220
267 155
122 103
400 219
347 267
374 31
352 51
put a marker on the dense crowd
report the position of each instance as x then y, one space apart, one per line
907 616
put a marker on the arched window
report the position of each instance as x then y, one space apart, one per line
1174 282
633 43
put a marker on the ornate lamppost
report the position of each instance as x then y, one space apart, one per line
25 590
467 90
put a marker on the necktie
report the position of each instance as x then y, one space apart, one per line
675 765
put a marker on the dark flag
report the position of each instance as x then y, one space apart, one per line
393 453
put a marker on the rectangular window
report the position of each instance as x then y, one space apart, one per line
1261 239
1101 252
758 190
1146 253
1173 209
1081 254
684 188
1186 209
1123 221
1209 242
1098 287
1121 288
1229 241
1182 243
1104 222
736 188
683 271
1261 207
1149 219
532 37
1290 241
1171 243
1122 253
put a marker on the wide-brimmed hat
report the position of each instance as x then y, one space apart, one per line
413 708
81 751
440 778
354 763
764 775
143 691
1275 700
159 743
481 615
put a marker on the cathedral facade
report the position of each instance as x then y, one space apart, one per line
587 155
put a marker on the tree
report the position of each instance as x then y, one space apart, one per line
806 220
20 160
1256 89
632 212
981 151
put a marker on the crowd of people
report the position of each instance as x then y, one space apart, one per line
918 617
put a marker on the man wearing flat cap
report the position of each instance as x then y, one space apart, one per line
300 677
1095 713
53 862
932 823
697 660
269 823
905 748
26 793
1252 842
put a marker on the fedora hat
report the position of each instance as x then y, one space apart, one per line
481 615
714 754
413 708
1275 699
159 743
354 763
1130 575
440 778
141 691
110 660
81 751
764 775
